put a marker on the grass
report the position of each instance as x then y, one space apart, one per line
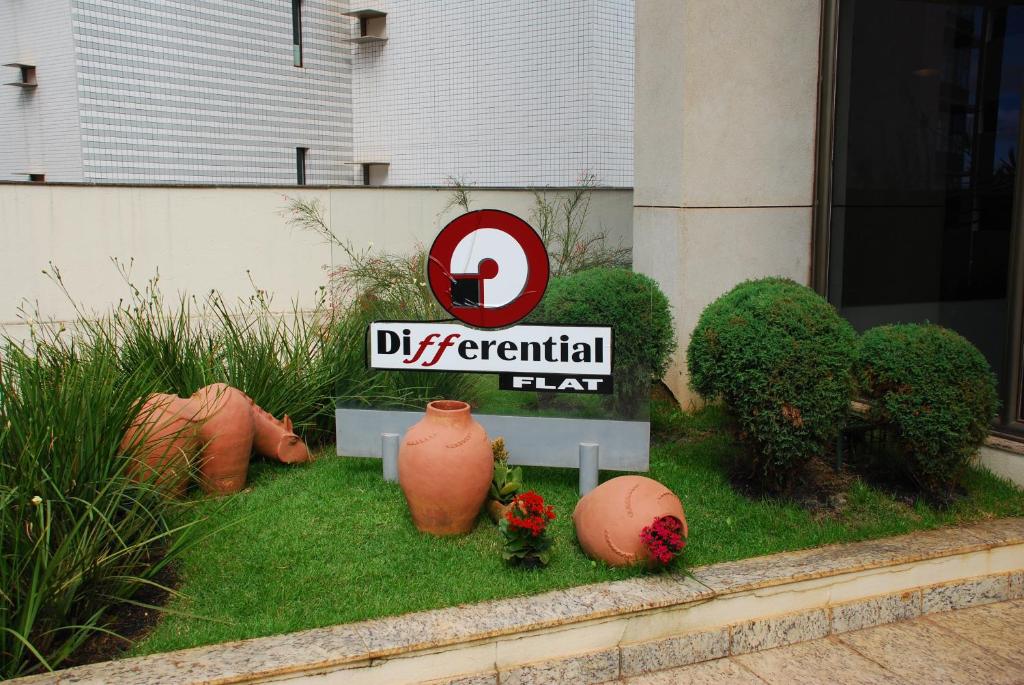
78 537
331 542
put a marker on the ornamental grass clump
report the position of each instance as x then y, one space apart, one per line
524 528
78 536
376 285
663 539
933 395
780 357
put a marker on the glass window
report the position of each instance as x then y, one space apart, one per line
927 125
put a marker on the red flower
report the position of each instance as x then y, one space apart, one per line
663 538
529 514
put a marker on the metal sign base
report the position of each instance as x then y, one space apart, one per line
584 444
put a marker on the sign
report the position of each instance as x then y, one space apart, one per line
488 268
556 358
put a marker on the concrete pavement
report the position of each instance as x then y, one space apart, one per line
983 644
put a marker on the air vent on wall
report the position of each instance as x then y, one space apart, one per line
26 75
372 25
375 171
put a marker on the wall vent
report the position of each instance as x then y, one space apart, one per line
373 26
26 75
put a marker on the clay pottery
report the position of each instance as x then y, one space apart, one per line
445 466
165 435
226 431
275 438
496 510
610 517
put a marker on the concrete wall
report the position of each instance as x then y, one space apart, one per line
1006 463
39 130
726 105
215 238
498 92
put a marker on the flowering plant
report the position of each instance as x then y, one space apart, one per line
525 529
664 539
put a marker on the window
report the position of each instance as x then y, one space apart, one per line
37 178
297 32
300 165
927 124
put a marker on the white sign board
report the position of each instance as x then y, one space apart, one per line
554 358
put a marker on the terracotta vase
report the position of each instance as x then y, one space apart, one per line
496 510
610 517
445 468
275 438
166 436
226 430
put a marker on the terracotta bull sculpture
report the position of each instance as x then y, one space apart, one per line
222 425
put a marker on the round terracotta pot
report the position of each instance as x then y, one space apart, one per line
275 439
226 430
610 517
445 468
165 435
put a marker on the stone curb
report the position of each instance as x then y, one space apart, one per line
597 633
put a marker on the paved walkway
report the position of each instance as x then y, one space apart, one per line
974 646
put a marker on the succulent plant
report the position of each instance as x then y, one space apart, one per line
506 483
507 480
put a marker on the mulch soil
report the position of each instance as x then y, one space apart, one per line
130 621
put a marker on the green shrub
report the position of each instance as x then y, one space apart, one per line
638 312
780 356
933 392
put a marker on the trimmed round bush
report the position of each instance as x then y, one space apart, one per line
934 393
780 357
638 312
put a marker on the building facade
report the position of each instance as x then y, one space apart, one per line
281 92
863 147
177 92
498 92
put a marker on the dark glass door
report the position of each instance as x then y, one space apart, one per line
927 128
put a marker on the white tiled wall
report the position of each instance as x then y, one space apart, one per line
498 92
39 128
494 92
205 91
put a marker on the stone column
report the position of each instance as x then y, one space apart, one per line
726 115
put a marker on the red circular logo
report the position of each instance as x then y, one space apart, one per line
488 268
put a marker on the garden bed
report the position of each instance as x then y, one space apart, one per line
332 543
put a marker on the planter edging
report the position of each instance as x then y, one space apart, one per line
619 626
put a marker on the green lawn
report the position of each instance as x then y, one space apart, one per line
330 542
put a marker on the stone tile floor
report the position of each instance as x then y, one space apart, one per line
983 644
